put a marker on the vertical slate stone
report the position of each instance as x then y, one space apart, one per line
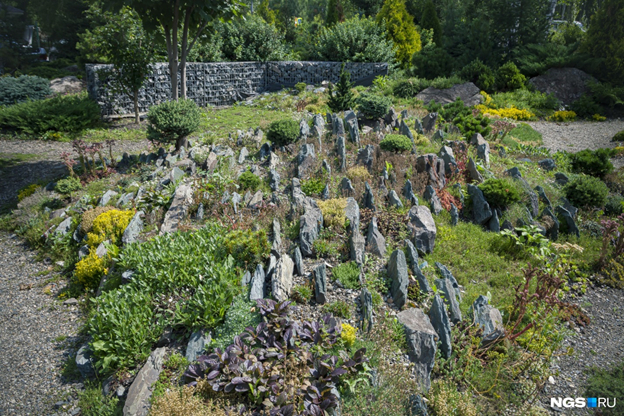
366 302
431 196
375 242
454 215
257 284
446 288
481 211
397 273
298 258
325 194
421 343
320 283
342 153
412 257
442 325
368 201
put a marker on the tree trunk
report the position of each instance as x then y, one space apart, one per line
184 54
137 120
172 50
181 142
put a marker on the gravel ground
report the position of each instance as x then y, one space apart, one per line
578 135
37 334
601 344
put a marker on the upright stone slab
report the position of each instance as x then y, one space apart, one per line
277 238
357 247
375 242
196 345
352 127
138 399
368 200
282 279
488 318
446 274
442 325
567 217
431 196
483 148
450 298
394 200
134 228
366 156
320 284
422 228
454 215
421 343
405 131
346 188
306 160
310 225
182 199
429 122
274 180
412 257
341 148
352 213
450 164
475 175
481 212
257 284
397 273
366 302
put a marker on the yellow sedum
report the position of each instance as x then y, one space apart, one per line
348 335
333 212
563 116
109 225
598 117
28 191
512 112
90 269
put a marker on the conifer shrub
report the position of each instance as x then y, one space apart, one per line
500 192
23 88
86 222
68 185
619 137
509 78
592 162
614 205
342 99
479 74
396 143
401 30
586 191
408 88
173 121
248 181
373 106
247 247
283 132
348 274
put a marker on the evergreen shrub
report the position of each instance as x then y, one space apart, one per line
373 106
283 132
23 88
586 191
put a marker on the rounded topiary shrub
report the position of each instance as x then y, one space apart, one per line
619 137
592 162
283 132
587 191
24 88
67 185
248 181
509 78
173 121
373 105
614 205
396 143
500 192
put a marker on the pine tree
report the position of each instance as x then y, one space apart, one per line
605 40
430 21
343 98
335 12
401 29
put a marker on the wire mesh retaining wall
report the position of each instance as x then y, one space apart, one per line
223 83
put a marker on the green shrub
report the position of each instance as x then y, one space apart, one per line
92 401
607 383
342 99
248 248
172 121
339 308
408 88
301 294
48 72
68 114
248 181
283 132
396 143
23 88
614 205
508 77
237 318
401 29
348 274
67 185
249 39
592 162
312 186
586 107
468 125
354 40
373 106
619 137
586 191
500 192
432 62
480 74
300 87
450 111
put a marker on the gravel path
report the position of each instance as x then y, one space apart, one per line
37 334
601 344
578 135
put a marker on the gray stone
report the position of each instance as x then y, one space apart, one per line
412 257
242 156
298 259
182 199
352 127
418 407
419 127
256 200
125 199
421 343
368 200
429 122
442 325
475 175
431 197
176 174
134 228
366 302
83 252
273 161
366 156
127 276
274 180
568 206
310 225
352 213
553 231
138 400
84 362
346 187
481 211
64 227
566 84
277 239
454 215
547 164
326 168
569 219
101 250
257 284
434 167
298 197
375 242
282 279
488 318
341 148
541 193
422 228
211 162
392 118
405 131
446 274
107 197
397 273
561 178
494 222
246 278
265 151
408 193
468 92
325 195
394 200
236 199
196 344
337 126
450 164
357 247
507 225
304 129
306 159
200 211
445 286
320 284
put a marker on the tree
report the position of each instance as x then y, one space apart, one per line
368 7
190 17
343 98
605 40
122 42
430 21
335 12
401 29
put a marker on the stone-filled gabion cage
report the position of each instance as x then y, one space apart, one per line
223 83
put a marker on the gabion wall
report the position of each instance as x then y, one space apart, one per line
223 83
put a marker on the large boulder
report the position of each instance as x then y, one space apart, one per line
421 343
138 400
422 228
66 85
397 273
566 84
468 92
